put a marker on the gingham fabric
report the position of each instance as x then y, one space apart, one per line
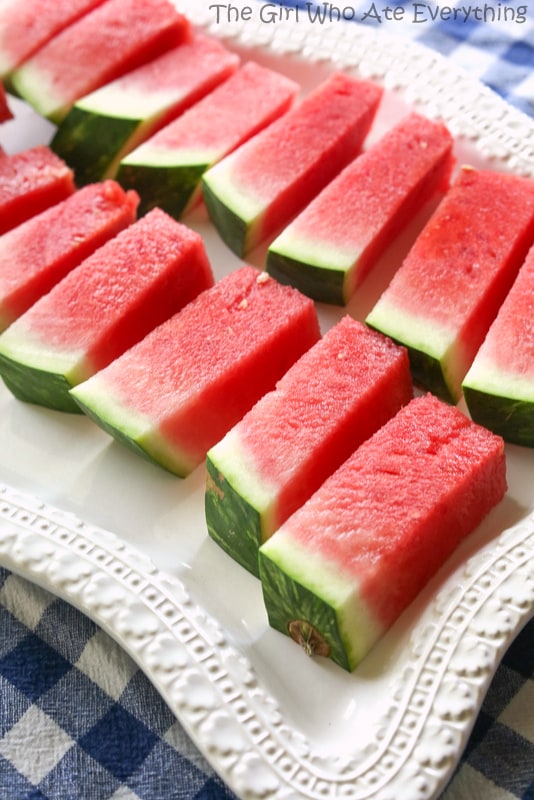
79 721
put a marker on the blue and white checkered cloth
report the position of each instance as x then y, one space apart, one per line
79 721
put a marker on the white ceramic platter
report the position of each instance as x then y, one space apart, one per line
127 544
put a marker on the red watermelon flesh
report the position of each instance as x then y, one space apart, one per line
250 194
449 288
30 182
5 111
26 25
38 253
128 286
113 39
178 391
369 540
232 113
333 398
379 192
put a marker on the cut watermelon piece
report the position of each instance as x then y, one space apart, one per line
167 169
379 192
343 568
175 394
104 44
499 386
442 300
101 308
26 26
258 188
5 111
40 252
335 396
30 182
106 124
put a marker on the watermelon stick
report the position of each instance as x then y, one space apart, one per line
443 298
106 124
109 41
166 170
327 251
335 396
499 387
102 307
179 390
258 188
344 567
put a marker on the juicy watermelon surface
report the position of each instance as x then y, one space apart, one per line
31 181
223 120
26 26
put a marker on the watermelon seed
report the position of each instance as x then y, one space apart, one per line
305 635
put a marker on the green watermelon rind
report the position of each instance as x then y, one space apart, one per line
227 510
286 599
508 416
90 143
32 85
299 584
326 284
172 188
34 385
231 225
129 428
427 372
430 370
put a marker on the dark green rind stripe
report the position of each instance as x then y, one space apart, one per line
232 522
168 188
37 386
287 600
231 228
427 371
323 285
119 435
89 142
512 419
